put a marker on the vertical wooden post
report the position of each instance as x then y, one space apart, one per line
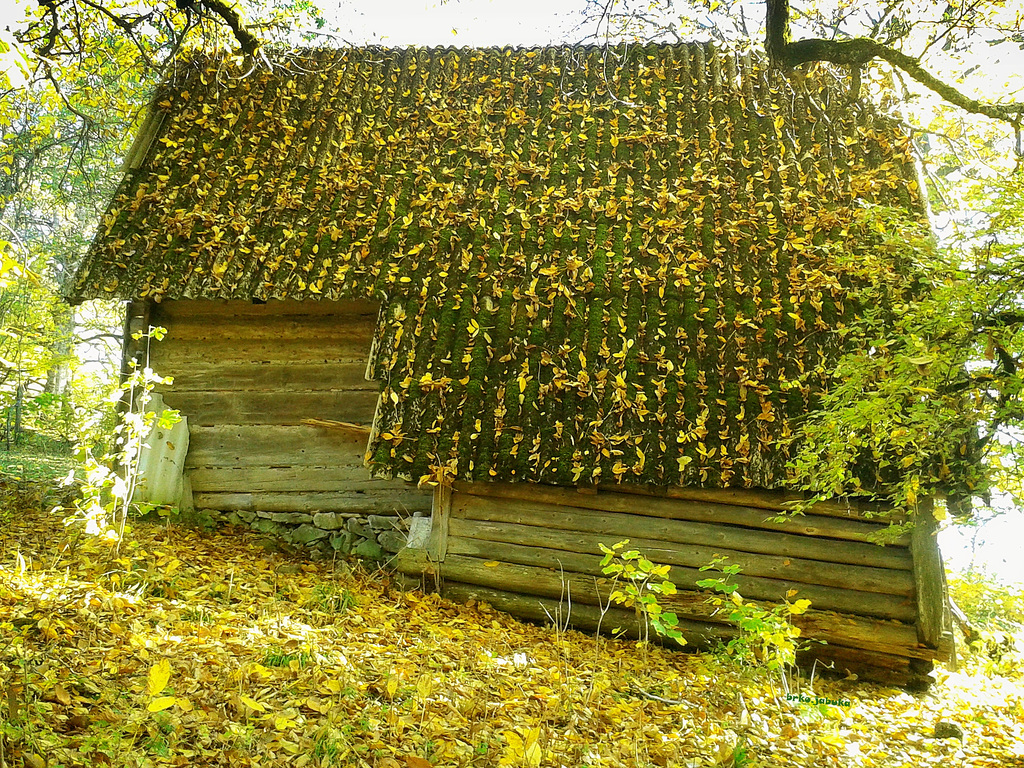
929 578
437 548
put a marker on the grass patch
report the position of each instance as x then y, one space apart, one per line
34 464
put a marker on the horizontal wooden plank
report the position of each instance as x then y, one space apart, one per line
211 408
272 446
759 498
336 477
753 587
874 666
869 666
171 354
369 502
550 497
184 308
246 330
538 543
586 588
697 623
621 525
583 617
242 375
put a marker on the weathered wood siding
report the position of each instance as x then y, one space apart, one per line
534 550
247 375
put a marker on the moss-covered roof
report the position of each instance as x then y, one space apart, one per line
594 265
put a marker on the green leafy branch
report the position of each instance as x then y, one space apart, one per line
642 582
111 480
767 633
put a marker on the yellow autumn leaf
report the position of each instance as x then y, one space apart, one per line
283 723
252 704
159 675
331 686
424 687
523 749
259 669
161 703
317 705
800 606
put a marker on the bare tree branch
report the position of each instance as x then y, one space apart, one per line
248 42
857 52
48 73
127 25
53 30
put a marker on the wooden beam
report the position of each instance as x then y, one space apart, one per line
283 408
181 353
327 328
276 376
929 577
367 502
622 524
437 547
543 543
760 498
869 666
581 616
849 601
674 509
333 477
566 586
757 498
188 308
246 445
358 430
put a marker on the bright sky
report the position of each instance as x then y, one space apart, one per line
993 547
456 22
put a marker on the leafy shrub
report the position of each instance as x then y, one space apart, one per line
766 632
996 613
988 603
110 482
642 582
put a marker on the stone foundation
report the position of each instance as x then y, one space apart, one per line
325 534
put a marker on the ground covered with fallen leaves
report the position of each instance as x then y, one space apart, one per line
185 648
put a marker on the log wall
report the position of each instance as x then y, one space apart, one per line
534 550
247 376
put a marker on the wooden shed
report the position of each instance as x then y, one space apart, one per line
584 294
